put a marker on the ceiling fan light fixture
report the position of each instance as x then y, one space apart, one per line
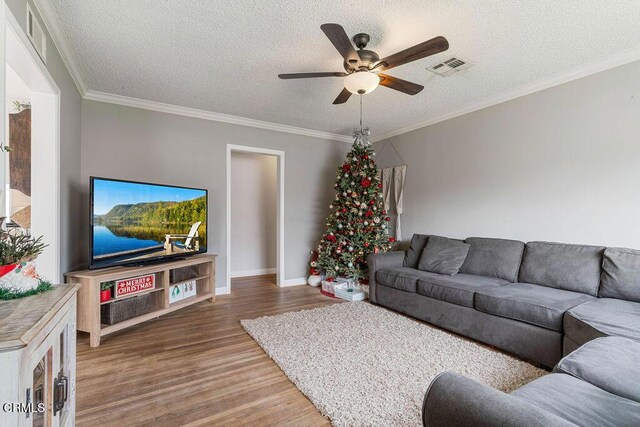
361 82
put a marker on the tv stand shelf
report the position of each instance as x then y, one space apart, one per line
89 304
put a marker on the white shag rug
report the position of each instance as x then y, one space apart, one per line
362 365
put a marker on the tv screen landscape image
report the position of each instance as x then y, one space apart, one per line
134 223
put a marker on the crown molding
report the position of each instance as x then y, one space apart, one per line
210 115
50 20
604 64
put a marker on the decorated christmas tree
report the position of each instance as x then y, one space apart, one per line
357 224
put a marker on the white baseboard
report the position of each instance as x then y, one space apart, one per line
294 282
259 272
223 291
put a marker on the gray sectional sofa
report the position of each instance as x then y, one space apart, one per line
596 385
537 300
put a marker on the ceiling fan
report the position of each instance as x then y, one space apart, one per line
363 67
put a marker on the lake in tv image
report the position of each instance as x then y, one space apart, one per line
136 221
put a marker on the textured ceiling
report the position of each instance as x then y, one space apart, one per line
224 56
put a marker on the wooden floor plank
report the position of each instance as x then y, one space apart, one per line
196 366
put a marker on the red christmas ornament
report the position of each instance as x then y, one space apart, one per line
372 202
331 238
366 244
387 219
384 212
365 157
346 167
380 185
344 210
392 239
369 213
365 182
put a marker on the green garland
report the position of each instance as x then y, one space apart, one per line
9 294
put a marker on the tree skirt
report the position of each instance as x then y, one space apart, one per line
360 364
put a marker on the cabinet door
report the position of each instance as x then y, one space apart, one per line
38 389
48 381
64 373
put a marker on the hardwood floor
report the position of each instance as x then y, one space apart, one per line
196 366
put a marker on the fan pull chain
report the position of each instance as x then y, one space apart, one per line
360 113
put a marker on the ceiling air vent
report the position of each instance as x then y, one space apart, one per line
450 66
36 34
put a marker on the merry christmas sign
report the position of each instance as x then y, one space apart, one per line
135 285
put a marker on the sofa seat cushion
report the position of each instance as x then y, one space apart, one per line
403 278
603 317
610 363
579 402
534 304
458 289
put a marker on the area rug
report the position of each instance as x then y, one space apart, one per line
360 364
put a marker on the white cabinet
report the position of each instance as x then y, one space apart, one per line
37 359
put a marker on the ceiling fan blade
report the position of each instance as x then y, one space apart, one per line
343 97
400 85
419 51
342 43
310 75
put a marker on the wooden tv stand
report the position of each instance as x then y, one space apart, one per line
89 293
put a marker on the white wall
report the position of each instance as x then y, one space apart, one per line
254 202
562 165
142 145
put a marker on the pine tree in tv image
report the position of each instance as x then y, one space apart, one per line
134 222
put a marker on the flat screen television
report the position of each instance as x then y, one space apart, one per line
136 223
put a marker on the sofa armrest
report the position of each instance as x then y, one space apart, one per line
454 400
393 259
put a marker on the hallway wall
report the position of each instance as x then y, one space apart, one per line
254 202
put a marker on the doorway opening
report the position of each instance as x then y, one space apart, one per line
29 175
255 214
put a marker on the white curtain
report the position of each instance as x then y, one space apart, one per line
393 193
387 181
399 173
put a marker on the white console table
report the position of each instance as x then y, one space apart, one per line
38 359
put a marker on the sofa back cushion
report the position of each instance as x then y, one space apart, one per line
443 256
412 257
493 257
620 274
562 266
